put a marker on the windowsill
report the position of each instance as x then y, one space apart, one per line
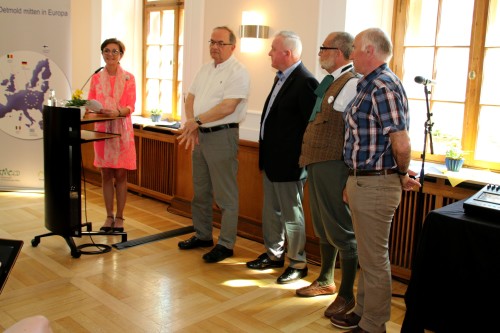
145 122
474 176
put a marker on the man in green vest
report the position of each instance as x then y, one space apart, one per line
321 154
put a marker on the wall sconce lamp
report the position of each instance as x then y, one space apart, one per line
252 31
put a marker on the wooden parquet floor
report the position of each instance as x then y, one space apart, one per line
154 287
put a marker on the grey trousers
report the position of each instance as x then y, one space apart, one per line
283 214
215 167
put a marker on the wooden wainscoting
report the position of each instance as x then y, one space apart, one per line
156 155
164 172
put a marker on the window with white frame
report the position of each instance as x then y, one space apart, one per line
162 54
457 45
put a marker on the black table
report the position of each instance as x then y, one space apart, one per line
455 279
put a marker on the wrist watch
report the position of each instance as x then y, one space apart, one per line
401 173
198 121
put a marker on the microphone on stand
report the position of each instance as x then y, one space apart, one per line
96 71
424 81
93 105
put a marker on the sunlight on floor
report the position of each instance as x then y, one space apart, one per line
23 194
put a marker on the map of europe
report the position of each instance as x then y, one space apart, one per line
26 79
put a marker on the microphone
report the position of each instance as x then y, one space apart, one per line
96 71
424 81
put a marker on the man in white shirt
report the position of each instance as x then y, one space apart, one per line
216 103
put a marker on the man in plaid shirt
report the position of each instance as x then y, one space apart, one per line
377 151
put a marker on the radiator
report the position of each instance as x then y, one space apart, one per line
155 165
405 227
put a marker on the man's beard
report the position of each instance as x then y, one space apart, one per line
327 63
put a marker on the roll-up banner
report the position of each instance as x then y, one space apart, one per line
35 59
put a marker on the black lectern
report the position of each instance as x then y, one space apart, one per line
62 138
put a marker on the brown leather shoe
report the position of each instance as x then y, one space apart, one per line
339 306
314 289
345 321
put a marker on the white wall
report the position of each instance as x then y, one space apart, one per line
93 21
86 39
311 19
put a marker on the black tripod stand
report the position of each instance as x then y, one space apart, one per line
417 227
420 199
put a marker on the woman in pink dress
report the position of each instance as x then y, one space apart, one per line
114 88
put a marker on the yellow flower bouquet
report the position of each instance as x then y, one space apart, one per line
76 99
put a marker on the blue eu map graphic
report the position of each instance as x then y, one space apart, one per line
26 79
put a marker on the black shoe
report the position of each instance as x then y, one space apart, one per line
106 229
118 229
292 275
263 262
218 253
194 242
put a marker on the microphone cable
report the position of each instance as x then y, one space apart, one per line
101 248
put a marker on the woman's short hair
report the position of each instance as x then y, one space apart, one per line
113 41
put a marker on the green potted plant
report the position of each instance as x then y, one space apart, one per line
77 101
156 114
454 158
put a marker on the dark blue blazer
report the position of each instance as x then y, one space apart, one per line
288 117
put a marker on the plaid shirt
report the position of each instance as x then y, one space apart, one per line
379 108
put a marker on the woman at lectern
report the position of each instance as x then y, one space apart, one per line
115 89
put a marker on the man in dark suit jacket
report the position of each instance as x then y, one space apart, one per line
284 119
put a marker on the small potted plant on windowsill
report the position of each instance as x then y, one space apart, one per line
156 115
454 158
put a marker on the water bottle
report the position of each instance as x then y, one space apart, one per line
52 98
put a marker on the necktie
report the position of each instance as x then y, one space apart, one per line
279 75
320 93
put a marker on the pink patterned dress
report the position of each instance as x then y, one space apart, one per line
113 92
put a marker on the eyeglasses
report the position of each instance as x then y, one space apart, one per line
218 43
114 52
322 48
